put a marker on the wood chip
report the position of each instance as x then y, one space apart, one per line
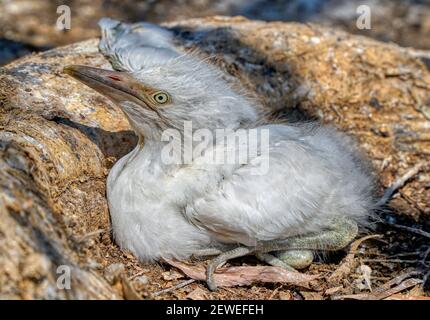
171 275
285 295
197 294
113 272
173 288
128 289
308 295
333 290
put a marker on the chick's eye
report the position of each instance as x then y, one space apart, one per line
161 97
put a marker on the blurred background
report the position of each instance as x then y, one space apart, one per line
30 25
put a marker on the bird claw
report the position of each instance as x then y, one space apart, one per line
210 281
220 260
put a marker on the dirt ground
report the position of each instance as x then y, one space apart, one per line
59 139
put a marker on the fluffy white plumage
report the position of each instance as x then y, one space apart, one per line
159 210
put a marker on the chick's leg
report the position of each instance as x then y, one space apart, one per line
297 259
288 259
221 259
297 251
207 252
273 261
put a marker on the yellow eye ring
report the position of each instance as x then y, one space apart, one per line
161 97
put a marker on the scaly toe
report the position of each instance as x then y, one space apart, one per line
273 261
210 281
298 259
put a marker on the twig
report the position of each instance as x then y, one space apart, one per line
412 202
129 291
391 260
178 286
426 254
403 286
371 277
410 229
382 292
405 254
400 182
228 290
396 281
348 263
275 292
140 273
91 234
426 279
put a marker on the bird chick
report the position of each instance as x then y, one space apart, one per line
311 197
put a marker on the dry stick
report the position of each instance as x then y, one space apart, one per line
410 229
400 182
385 290
402 286
348 262
128 290
405 254
395 281
274 292
91 234
178 286
391 260
409 283
426 254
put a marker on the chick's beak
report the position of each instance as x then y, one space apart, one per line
118 86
